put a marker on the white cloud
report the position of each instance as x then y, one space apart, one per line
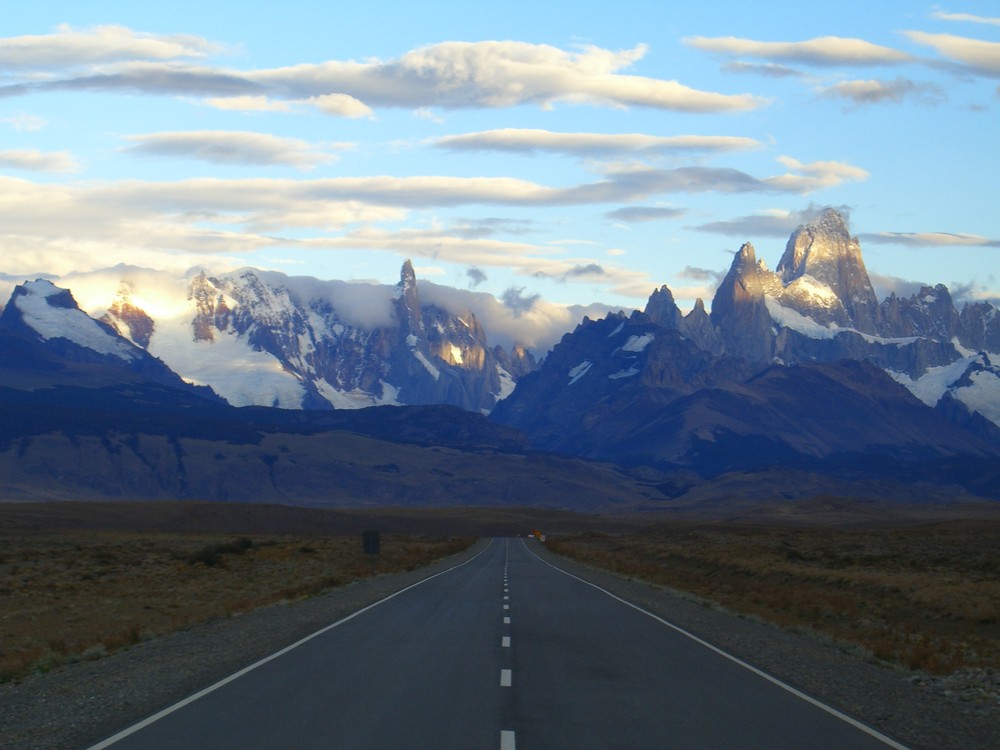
426 113
67 47
941 15
29 159
340 105
25 123
231 147
248 103
770 70
449 75
930 239
815 175
827 50
645 213
589 144
885 285
876 92
212 216
496 74
775 222
526 318
975 53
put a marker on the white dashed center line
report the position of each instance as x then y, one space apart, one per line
507 740
506 621
505 643
505 678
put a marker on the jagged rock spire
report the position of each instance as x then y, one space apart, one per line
408 310
662 309
825 250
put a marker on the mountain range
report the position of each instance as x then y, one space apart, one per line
799 367
800 370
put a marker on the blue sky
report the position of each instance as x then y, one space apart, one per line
569 152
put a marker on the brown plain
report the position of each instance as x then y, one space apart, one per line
924 597
74 594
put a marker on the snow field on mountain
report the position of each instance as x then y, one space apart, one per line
813 290
982 396
506 384
786 317
579 371
637 344
357 399
238 373
59 322
930 386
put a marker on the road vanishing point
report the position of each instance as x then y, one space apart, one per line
508 651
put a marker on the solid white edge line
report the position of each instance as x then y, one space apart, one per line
507 741
236 675
736 660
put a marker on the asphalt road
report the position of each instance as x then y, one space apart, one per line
504 651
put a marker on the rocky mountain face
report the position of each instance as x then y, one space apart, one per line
823 275
265 339
793 367
820 306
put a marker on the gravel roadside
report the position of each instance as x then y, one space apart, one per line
79 704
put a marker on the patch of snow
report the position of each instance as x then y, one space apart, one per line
412 340
357 399
319 326
796 321
456 354
623 374
928 299
306 345
617 330
390 395
638 343
67 323
930 386
961 349
507 384
579 371
435 373
814 290
235 370
983 395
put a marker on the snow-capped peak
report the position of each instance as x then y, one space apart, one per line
53 314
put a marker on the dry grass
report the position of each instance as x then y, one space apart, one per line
74 595
927 598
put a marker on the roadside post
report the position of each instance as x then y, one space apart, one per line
370 545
